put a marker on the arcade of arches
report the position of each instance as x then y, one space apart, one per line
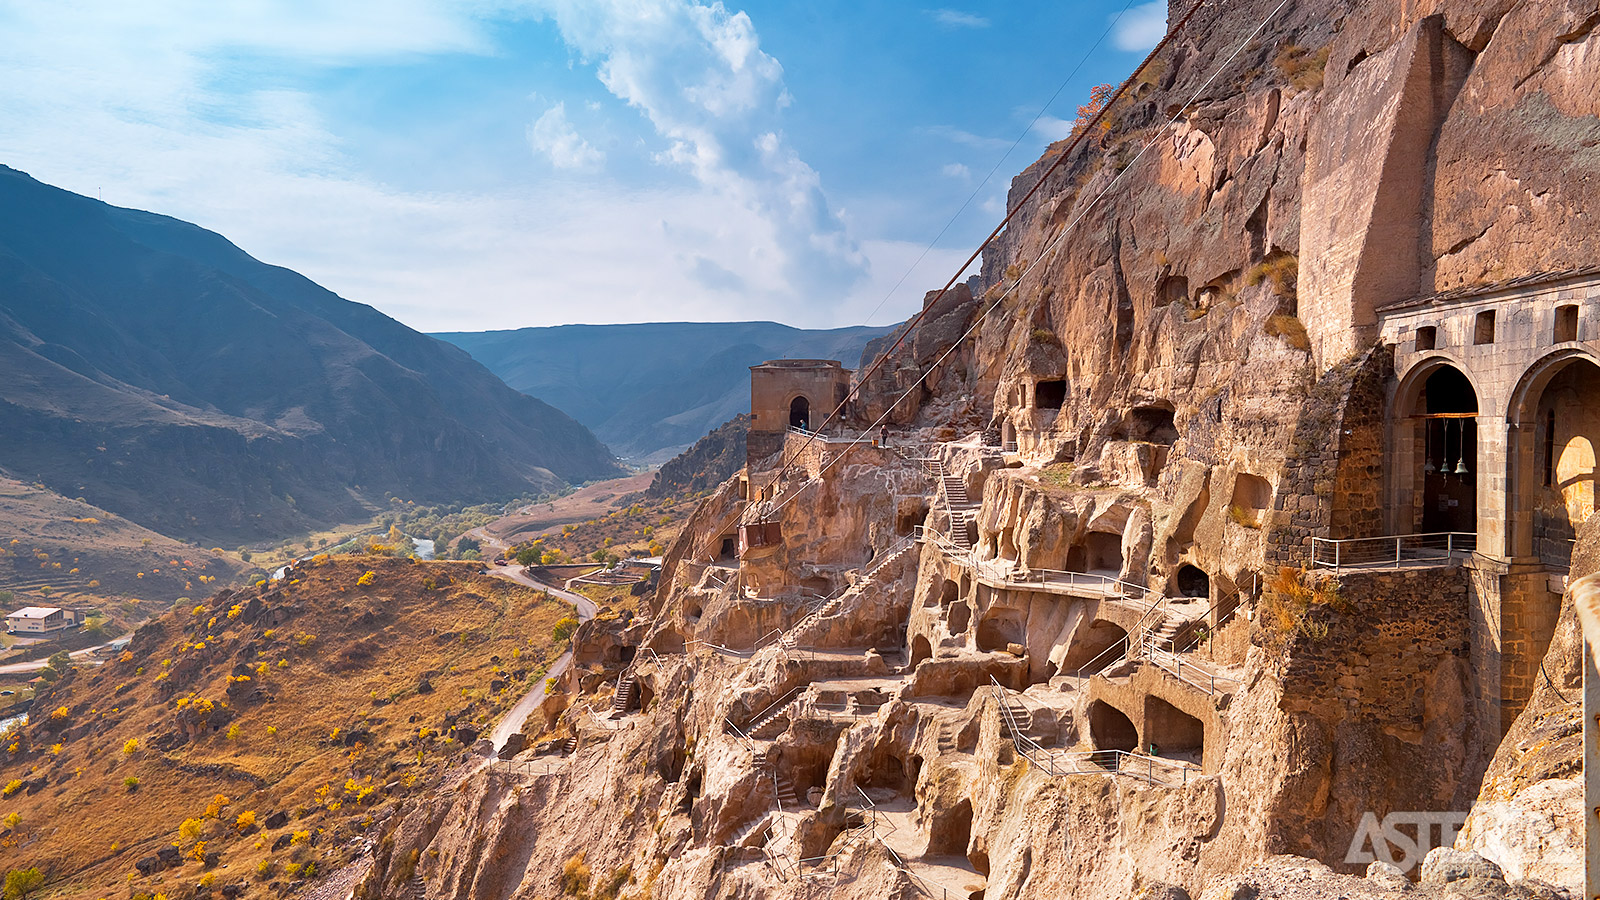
1493 434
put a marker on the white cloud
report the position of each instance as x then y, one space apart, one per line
554 136
1141 27
1052 129
150 105
699 76
956 170
952 18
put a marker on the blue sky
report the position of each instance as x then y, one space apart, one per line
475 164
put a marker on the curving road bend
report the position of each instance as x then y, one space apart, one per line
512 721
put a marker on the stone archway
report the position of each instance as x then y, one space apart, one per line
1555 427
1436 463
800 413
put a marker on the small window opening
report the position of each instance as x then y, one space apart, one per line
1483 328
1050 394
1566 324
1549 447
1427 337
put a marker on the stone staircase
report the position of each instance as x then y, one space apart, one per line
753 832
785 788
776 722
832 607
1015 711
570 745
959 505
419 888
947 738
624 696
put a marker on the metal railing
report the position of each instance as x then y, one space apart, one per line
763 642
524 768
1153 769
775 706
1391 550
1180 668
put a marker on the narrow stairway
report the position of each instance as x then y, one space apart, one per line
624 696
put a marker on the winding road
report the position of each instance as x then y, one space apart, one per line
512 721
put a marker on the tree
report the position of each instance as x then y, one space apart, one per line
528 556
22 882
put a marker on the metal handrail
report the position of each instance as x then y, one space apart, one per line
1354 552
1121 761
777 704
524 767
761 643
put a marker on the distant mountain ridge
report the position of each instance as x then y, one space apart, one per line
160 372
651 390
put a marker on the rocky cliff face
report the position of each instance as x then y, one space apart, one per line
1100 671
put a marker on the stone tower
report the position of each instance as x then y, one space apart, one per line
792 393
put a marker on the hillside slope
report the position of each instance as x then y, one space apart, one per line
651 390
160 372
281 721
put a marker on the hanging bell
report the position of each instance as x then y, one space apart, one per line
1461 467
1430 468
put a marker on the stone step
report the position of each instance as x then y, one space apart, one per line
570 745
419 888
754 831
624 697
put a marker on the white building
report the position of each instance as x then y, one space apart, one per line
40 620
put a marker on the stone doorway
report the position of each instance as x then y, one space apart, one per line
800 413
1445 416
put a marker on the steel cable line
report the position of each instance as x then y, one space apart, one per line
1070 226
998 163
1066 153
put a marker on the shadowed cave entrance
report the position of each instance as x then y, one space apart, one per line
1109 729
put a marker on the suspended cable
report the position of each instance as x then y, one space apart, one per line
1066 153
1067 229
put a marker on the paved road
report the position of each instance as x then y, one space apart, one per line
512 721
35 665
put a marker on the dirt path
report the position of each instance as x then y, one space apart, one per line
34 665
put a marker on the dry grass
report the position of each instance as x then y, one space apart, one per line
1287 603
1291 329
1301 67
1281 269
341 738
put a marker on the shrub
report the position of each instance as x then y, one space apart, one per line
574 876
1287 603
12 820
233 732
11 787
265 869
217 805
131 783
245 822
130 746
22 882
1282 269
1045 336
563 629
1301 67
1290 329
189 830
198 852
367 578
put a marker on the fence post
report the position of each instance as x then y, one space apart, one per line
1336 548
1397 552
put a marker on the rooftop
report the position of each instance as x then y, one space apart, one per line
34 612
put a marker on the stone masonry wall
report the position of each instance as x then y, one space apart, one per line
1389 690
